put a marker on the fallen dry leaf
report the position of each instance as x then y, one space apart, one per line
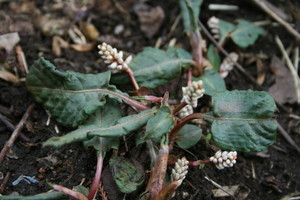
51 26
83 47
283 90
225 191
9 40
5 75
261 73
150 18
90 31
57 44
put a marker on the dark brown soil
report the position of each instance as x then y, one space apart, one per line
270 177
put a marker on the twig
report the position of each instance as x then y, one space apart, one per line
265 8
296 58
219 186
21 60
3 184
290 66
16 132
12 128
288 138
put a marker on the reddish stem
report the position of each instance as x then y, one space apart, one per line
73 194
198 162
131 76
96 181
179 107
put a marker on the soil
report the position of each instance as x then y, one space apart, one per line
271 175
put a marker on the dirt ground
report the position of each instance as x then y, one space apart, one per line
273 174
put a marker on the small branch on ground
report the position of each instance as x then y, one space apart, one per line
102 192
11 127
288 138
291 67
264 7
3 184
16 132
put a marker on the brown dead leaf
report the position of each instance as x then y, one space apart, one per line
83 47
90 31
261 73
150 18
283 90
5 75
51 25
57 44
8 41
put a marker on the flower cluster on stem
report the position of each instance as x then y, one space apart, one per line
114 58
224 159
191 94
180 170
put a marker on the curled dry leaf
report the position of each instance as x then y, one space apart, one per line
76 35
261 73
9 40
90 31
5 75
150 18
51 26
83 47
283 90
57 44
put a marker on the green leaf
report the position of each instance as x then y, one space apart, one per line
243 120
246 33
213 57
122 127
212 82
43 196
160 124
188 136
103 118
154 67
190 11
69 96
128 175
81 189
225 29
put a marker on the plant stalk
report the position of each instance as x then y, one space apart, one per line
132 78
96 181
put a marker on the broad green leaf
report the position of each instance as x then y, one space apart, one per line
103 118
154 67
212 82
188 136
122 127
190 11
128 175
225 29
69 96
213 57
43 196
246 33
243 120
160 124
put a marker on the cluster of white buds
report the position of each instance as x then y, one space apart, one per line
111 56
227 64
192 93
180 170
185 111
224 159
213 24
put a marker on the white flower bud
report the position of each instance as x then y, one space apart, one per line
224 159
